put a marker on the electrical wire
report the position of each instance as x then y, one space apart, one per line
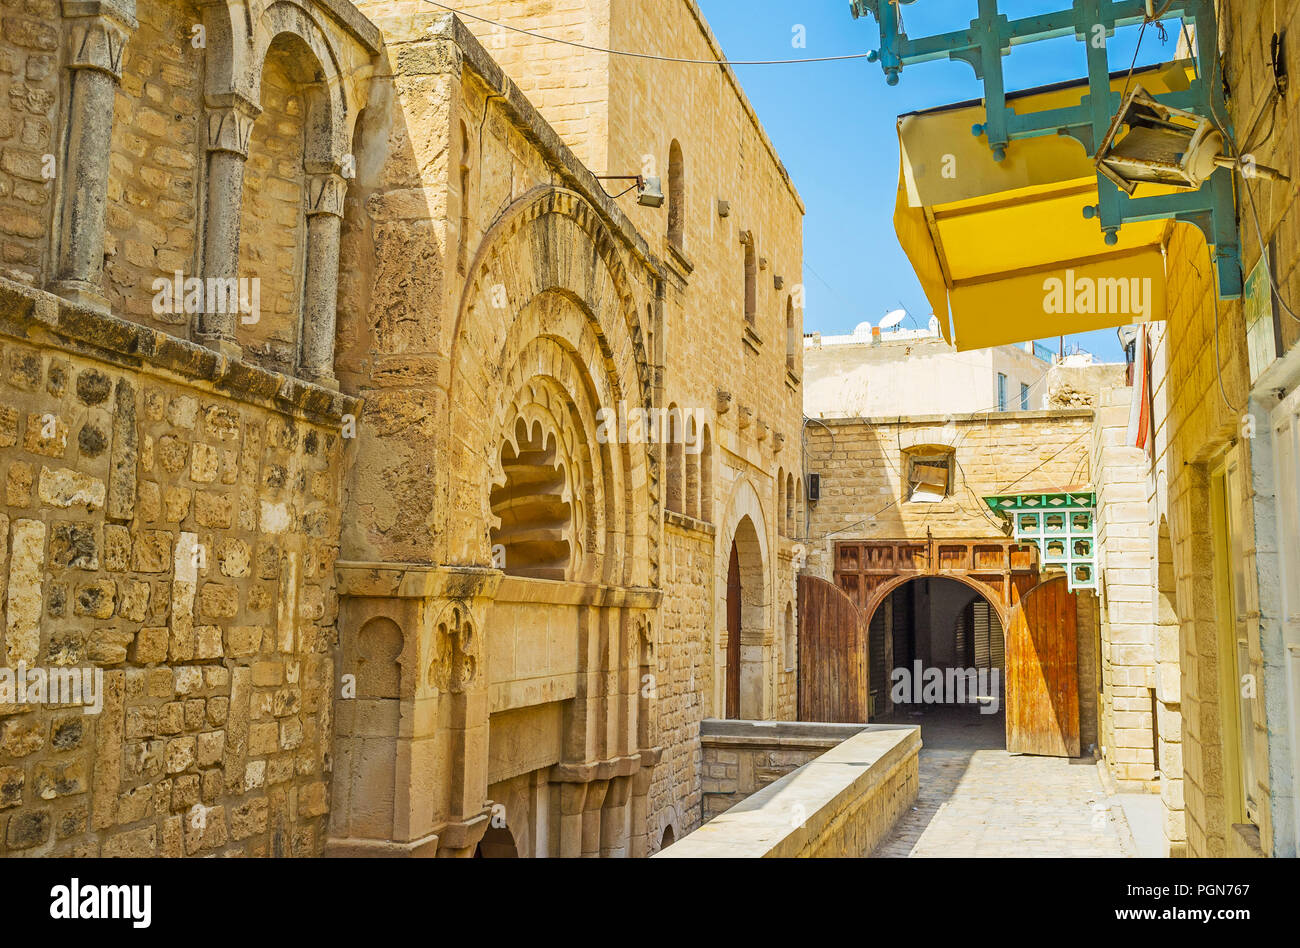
1263 245
1044 463
651 56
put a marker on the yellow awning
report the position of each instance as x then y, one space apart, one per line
1003 250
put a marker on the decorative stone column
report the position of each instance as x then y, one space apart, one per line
230 126
321 289
99 33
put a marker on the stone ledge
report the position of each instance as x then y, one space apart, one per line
355 23
39 318
523 591
774 733
981 417
685 522
846 800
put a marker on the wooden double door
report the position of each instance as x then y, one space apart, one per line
1042 674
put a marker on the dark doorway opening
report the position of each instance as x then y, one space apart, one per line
733 633
497 843
938 655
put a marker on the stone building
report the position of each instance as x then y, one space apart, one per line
901 525
874 374
413 495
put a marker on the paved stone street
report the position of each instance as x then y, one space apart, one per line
978 800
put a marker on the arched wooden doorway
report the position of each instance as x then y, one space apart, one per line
733 633
1040 619
747 618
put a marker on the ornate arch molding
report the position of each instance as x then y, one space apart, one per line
548 300
744 502
546 440
538 213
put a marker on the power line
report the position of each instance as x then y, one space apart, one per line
651 56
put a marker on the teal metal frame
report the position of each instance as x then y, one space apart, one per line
991 36
1062 526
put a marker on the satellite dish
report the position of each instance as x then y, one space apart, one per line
893 319
863 329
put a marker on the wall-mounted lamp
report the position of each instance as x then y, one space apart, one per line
650 192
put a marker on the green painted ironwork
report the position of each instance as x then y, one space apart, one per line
1063 526
991 37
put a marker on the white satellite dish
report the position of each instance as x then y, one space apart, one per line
862 329
893 319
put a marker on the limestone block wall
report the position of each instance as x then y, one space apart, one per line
1246 37
569 85
174 525
30 50
861 462
156 165
1195 428
272 226
741 759
684 676
1127 628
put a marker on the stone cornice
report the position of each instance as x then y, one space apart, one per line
37 317
354 23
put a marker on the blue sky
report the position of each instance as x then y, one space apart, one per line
834 126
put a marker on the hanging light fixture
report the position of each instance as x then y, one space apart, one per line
1153 143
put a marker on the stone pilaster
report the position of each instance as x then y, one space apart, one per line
410 637
98 35
321 289
639 842
230 127
591 813
614 822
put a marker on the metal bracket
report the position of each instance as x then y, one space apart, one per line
992 36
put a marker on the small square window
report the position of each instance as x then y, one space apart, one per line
929 478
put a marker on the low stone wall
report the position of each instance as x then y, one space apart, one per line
742 757
856 782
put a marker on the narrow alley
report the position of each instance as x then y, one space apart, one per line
977 800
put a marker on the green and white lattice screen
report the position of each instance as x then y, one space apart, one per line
1062 525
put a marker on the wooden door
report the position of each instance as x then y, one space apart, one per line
733 634
1043 673
833 647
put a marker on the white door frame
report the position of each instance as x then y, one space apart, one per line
1285 429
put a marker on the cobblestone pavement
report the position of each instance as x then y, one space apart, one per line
978 800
